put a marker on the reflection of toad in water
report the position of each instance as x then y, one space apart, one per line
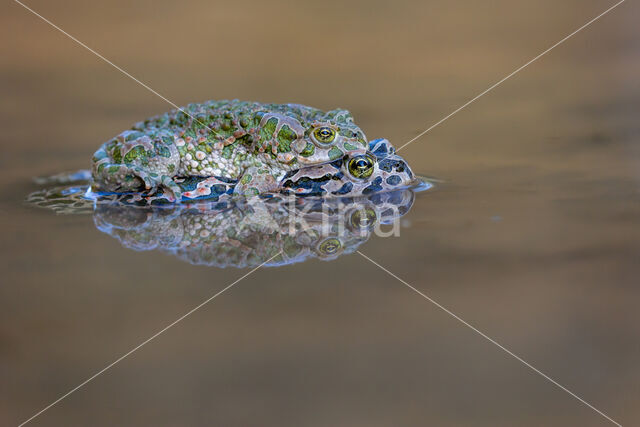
247 233
239 232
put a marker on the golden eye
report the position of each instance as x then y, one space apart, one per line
363 219
329 246
324 135
361 166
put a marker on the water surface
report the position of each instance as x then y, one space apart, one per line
533 237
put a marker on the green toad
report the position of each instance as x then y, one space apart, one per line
254 143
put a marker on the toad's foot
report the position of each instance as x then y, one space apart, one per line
257 180
166 187
124 178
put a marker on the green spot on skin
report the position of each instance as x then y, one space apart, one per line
349 146
253 191
308 150
335 153
135 153
246 179
117 156
285 137
113 169
266 133
171 168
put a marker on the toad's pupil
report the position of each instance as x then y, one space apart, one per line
361 165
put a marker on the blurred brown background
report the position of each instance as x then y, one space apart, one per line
533 238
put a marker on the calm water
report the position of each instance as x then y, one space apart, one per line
533 237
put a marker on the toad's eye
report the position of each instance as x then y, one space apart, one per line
361 166
363 219
324 135
329 246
